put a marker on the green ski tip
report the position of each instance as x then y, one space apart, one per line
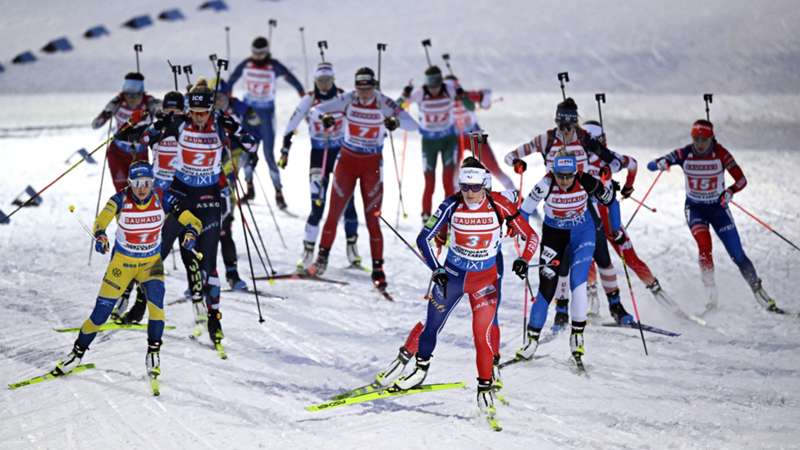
49 376
384 393
113 326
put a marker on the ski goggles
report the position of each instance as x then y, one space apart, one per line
564 176
142 182
471 187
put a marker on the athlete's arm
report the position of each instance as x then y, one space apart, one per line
431 228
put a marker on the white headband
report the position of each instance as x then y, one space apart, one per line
472 175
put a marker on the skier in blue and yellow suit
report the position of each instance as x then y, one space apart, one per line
136 256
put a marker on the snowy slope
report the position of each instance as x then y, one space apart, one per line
733 384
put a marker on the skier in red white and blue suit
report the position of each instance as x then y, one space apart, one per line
260 73
475 218
704 163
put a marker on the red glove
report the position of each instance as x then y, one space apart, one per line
520 166
138 115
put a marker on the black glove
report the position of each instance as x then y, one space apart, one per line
520 166
328 120
391 123
615 185
626 191
407 91
229 124
520 267
440 277
287 141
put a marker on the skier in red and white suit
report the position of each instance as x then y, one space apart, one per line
367 114
132 105
475 219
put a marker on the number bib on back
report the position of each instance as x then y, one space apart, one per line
260 84
435 117
165 154
565 209
317 131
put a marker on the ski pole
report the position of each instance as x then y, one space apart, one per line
255 225
100 189
269 207
446 58
425 44
646 194
176 70
213 58
137 48
765 225
187 70
305 56
633 299
323 45
397 233
402 173
708 98
228 43
381 48
643 205
80 222
563 77
323 179
247 246
272 24
36 195
397 175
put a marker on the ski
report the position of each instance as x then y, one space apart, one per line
359 266
648 328
220 350
490 414
385 294
381 394
262 294
155 387
367 388
517 359
576 363
113 326
300 276
673 306
49 376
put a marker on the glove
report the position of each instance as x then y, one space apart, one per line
407 91
440 277
520 267
189 240
328 120
619 238
606 196
248 142
287 141
615 185
391 123
658 164
101 242
251 117
229 124
284 159
725 198
520 166
626 191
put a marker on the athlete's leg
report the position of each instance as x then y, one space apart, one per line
429 154
343 183
267 131
439 309
724 226
118 275
372 195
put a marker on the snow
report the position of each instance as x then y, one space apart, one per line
733 384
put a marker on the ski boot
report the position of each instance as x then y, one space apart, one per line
215 327
387 376
497 381
425 218
308 257
136 313
712 298
251 191
576 345
321 264
485 397
416 377
617 310
152 362
234 281
200 315
378 276
71 361
122 304
529 349
352 251
764 299
562 315
654 287
279 200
